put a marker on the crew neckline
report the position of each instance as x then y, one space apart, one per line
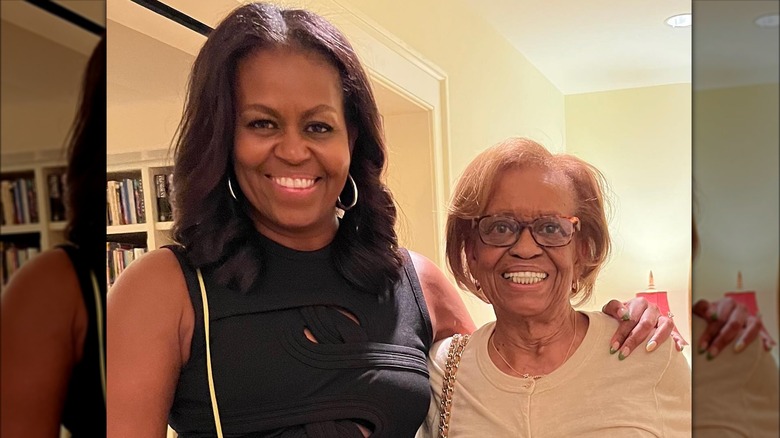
561 375
276 248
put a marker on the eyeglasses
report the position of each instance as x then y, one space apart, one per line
547 231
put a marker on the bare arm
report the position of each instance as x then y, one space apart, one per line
149 324
446 308
44 324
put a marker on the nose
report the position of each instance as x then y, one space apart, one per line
525 247
292 148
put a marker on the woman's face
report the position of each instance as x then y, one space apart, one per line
526 194
292 148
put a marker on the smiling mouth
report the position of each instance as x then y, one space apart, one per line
294 183
525 277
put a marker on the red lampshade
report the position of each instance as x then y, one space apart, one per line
658 298
748 299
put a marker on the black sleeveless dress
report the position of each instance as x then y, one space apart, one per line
84 412
272 381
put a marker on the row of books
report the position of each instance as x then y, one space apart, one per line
125 202
163 187
13 259
118 258
56 185
19 200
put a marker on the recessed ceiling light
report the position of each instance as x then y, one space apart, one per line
768 20
680 20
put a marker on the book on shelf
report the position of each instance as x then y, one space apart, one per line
138 188
56 185
19 199
125 202
162 190
14 257
119 255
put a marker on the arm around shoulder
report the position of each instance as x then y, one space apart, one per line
149 329
445 306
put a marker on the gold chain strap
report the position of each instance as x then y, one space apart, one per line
457 346
212 392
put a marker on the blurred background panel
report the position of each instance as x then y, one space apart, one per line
736 151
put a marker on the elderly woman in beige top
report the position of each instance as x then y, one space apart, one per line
527 233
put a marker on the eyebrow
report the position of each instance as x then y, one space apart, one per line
308 113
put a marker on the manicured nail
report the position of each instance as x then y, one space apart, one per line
714 317
712 353
614 348
651 345
703 347
623 353
625 316
739 346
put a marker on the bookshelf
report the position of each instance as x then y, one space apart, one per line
151 227
33 214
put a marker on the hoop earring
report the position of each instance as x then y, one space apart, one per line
230 188
340 204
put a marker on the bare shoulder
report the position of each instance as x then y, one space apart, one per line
152 293
445 306
149 326
156 275
47 289
49 275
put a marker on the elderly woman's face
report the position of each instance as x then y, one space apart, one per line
292 150
526 279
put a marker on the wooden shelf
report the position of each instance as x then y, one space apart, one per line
57 226
163 226
20 229
123 229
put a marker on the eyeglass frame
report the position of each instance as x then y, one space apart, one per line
576 222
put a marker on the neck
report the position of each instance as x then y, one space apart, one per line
534 346
303 239
536 334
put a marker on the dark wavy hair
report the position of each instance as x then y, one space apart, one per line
216 230
85 193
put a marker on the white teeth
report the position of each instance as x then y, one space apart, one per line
525 277
294 183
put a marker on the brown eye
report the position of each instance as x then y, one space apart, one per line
319 128
262 124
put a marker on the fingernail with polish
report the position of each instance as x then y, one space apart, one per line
712 353
739 346
623 353
625 316
651 345
614 348
714 317
703 347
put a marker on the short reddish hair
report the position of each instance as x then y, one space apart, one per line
476 184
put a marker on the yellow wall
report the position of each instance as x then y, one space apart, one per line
641 140
41 81
736 175
494 92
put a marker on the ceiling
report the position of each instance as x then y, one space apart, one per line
598 45
53 28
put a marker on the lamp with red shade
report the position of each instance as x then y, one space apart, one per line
746 298
659 298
